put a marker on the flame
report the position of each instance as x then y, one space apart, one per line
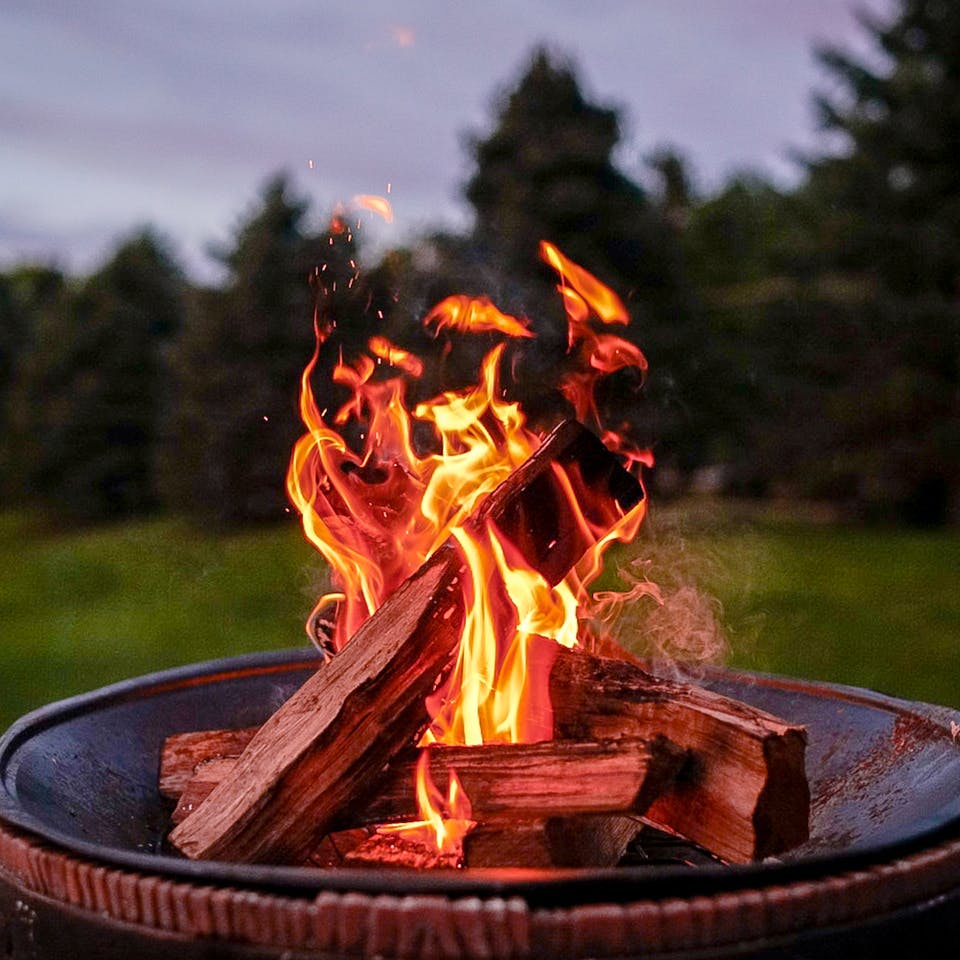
601 353
376 507
444 821
396 356
379 205
594 294
474 315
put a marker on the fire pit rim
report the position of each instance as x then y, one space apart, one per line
554 886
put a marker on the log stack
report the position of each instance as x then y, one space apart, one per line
337 759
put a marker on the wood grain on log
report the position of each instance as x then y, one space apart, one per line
507 781
744 797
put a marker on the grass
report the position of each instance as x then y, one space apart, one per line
80 610
871 607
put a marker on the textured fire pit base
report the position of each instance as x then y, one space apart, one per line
54 905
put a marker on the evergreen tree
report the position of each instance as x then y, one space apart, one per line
546 171
25 293
891 197
236 370
84 407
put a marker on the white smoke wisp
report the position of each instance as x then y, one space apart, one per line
663 616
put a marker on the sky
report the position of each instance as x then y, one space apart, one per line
115 114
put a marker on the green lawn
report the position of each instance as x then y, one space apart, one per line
84 609
872 607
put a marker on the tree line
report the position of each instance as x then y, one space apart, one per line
802 342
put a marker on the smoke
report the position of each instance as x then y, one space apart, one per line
661 611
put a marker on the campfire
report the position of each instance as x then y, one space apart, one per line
472 710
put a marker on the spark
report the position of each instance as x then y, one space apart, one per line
402 36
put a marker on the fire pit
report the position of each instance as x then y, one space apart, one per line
84 861
473 711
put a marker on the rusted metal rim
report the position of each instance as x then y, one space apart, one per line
363 925
865 725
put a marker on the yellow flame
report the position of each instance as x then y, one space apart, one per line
443 821
474 315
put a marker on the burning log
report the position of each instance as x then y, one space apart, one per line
575 841
327 745
743 794
508 780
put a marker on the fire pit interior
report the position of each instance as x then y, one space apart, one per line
83 774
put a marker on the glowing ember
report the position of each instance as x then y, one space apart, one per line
377 513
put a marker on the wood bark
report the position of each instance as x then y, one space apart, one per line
326 747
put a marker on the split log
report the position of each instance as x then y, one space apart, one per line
414 849
573 842
551 778
208 776
568 841
508 780
183 753
745 794
326 747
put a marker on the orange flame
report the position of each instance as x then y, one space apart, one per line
444 821
397 357
379 205
600 354
474 315
377 513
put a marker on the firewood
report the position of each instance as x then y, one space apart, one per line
326 747
183 753
333 849
551 778
209 774
411 850
745 794
509 780
575 841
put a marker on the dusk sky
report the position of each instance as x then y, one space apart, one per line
173 112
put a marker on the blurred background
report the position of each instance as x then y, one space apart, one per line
775 193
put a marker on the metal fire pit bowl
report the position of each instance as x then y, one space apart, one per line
84 872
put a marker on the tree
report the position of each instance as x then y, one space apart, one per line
84 406
25 293
232 420
546 171
749 232
892 194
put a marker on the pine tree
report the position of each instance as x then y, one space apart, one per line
85 403
236 370
894 189
546 171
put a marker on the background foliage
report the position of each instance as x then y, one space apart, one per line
803 343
